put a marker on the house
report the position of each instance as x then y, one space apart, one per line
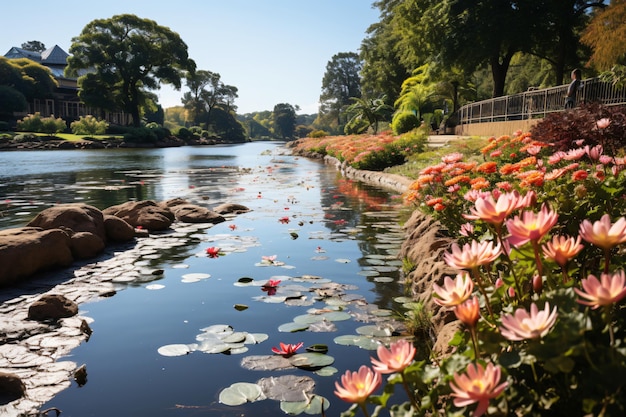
65 103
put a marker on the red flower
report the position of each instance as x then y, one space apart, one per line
284 220
287 349
233 227
213 252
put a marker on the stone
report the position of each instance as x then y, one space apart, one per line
86 245
11 387
145 214
192 213
52 307
27 250
76 217
231 208
118 230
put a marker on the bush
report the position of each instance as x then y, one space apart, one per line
36 123
89 125
140 135
317 134
564 129
404 122
184 134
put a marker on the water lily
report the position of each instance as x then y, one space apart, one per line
287 349
531 226
603 233
477 385
468 312
269 259
562 248
270 286
472 255
521 325
607 290
395 359
455 291
213 252
355 387
284 220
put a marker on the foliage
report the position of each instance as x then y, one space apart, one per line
11 101
284 117
341 82
563 129
31 79
364 113
404 121
605 35
34 46
89 125
317 134
36 123
184 134
206 92
130 56
140 135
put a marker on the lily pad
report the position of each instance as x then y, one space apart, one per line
195 277
363 342
326 371
373 331
318 348
287 387
314 406
384 279
311 360
266 363
336 316
174 350
255 338
240 307
292 327
241 393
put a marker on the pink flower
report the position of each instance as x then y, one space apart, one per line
531 226
472 255
284 220
562 248
232 226
608 290
603 123
452 157
269 259
213 252
395 359
355 387
455 291
478 385
494 212
604 234
287 349
468 312
522 325
272 283
467 229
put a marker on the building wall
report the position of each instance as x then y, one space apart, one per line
495 128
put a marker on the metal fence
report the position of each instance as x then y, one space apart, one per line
535 104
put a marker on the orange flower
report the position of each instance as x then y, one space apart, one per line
472 255
487 167
395 359
561 249
579 175
479 183
431 202
604 234
455 291
531 226
606 291
478 385
468 312
355 387
457 179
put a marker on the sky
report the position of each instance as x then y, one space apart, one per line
273 51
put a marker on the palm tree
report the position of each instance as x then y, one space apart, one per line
368 112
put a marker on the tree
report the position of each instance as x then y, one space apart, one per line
605 36
126 56
34 46
284 120
11 101
368 112
341 82
206 92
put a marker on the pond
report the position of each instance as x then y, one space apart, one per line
157 346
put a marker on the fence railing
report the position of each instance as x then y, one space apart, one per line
535 104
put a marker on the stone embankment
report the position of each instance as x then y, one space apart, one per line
95 254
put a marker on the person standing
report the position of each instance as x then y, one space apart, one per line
572 89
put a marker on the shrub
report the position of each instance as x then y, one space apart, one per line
317 134
36 123
140 135
564 129
184 134
89 125
404 122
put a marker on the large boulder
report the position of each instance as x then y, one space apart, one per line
231 208
145 214
52 307
74 218
118 230
27 250
86 245
11 387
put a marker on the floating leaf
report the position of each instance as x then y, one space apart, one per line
368 273
292 327
343 261
174 350
155 287
336 316
195 277
245 280
384 279
311 360
255 338
266 363
240 307
373 331
326 371
236 337
287 387
241 393
318 348
308 318
363 342
314 406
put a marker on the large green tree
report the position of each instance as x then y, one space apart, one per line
340 84
284 117
34 46
23 80
206 92
125 57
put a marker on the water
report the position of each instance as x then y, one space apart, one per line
338 230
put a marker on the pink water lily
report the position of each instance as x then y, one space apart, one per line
395 359
213 252
355 387
472 255
524 325
478 385
284 220
603 233
609 289
287 349
269 259
455 291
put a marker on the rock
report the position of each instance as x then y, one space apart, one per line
231 208
173 202
52 307
147 214
86 245
191 213
118 230
11 387
76 218
27 250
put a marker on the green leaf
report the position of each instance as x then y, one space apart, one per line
241 393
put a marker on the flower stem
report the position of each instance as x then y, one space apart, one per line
610 324
409 392
474 342
607 259
364 408
479 281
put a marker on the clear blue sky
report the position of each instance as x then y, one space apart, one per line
273 51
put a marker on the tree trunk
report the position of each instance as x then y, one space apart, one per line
499 69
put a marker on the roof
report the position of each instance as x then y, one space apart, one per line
51 56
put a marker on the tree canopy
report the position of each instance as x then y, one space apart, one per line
34 46
125 57
340 84
284 120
